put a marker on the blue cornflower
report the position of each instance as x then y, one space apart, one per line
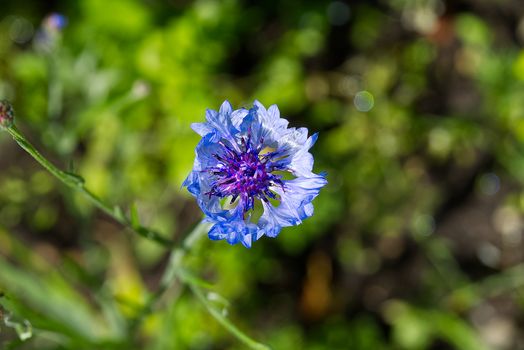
55 21
48 36
252 174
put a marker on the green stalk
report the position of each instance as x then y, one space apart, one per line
175 270
77 183
217 314
196 285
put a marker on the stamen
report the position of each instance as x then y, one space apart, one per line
246 174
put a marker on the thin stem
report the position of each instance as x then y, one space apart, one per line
224 321
77 183
174 270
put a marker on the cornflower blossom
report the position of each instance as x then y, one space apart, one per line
50 32
252 174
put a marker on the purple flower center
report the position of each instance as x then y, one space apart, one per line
245 173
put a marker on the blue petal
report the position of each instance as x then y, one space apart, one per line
272 127
233 232
226 108
301 161
295 204
199 181
238 116
209 206
222 123
202 128
250 125
192 184
268 223
204 153
295 147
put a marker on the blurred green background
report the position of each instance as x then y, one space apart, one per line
416 243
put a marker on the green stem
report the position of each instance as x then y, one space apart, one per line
174 270
224 321
77 183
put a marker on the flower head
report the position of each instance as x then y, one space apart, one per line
55 22
252 174
50 32
7 114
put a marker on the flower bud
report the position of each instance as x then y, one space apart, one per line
7 114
